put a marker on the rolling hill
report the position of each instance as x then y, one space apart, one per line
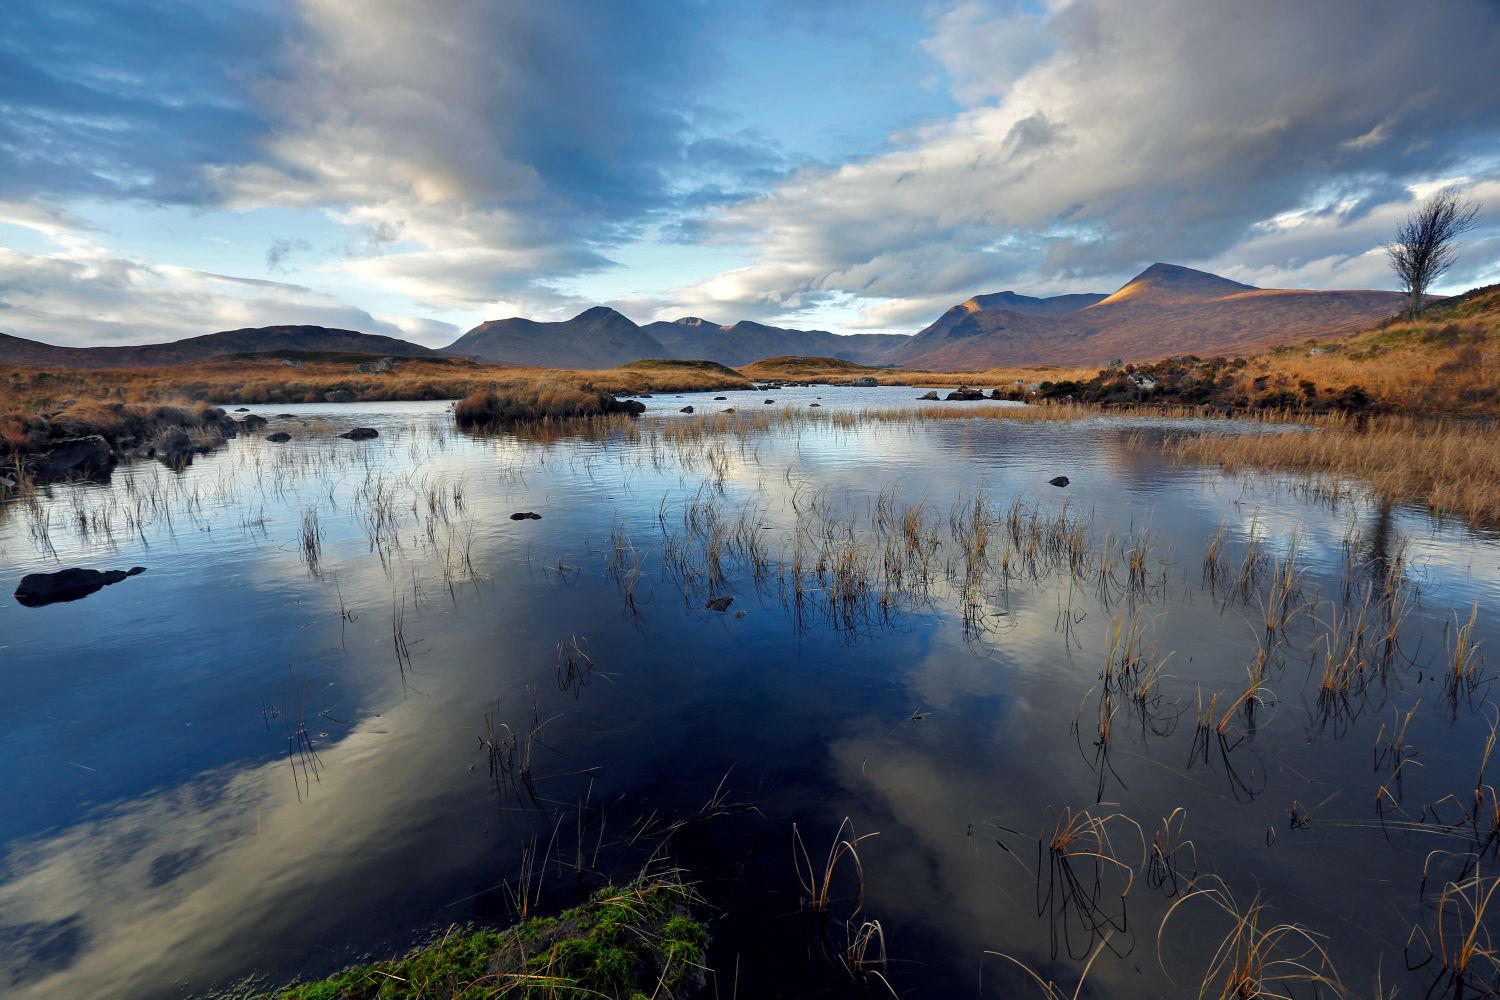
255 340
1165 310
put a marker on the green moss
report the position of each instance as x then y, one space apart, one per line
616 945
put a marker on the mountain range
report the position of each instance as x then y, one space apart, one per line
1166 309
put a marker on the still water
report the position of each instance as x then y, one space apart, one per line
351 703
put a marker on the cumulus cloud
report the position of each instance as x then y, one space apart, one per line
508 145
1162 132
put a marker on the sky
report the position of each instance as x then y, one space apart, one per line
414 167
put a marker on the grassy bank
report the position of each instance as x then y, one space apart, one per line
624 943
1445 363
835 371
1451 467
267 379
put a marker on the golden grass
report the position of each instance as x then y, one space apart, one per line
834 371
1448 361
1451 467
266 380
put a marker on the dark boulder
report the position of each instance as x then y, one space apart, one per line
686 409
280 437
814 404
242 409
79 456
360 434
253 421
286 416
770 401
37 589
720 399
719 604
627 406
964 393
526 515
1060 481
929 394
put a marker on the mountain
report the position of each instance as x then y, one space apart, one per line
1032 306
747 341
596 338
1165 310
255 340
603 338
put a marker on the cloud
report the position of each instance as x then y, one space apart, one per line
279 250
125 99
87 295
1166 132
517 143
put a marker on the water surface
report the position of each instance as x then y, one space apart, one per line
251 759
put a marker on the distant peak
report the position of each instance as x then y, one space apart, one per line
1175 282
599 312
1176 274
692 321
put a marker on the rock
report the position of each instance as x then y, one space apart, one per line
627 406
730 410
78 456
172 441
286 416
719 604
242 409
963 392
339 396
686 409
526 515
280 437
360 433
1059 482
770 401
995 394
814 404
37 589
929 394
254 420
720 399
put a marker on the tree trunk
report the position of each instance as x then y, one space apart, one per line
1415 305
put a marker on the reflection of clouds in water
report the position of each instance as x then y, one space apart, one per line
200 873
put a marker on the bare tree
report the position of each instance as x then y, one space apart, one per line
1426 244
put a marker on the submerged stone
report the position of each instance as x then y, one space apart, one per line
38 589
